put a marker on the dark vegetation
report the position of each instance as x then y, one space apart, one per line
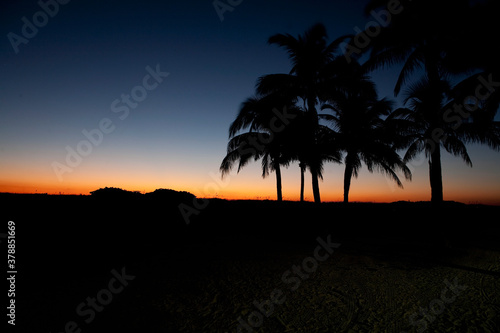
114 193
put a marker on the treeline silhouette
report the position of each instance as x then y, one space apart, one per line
326 109
161 193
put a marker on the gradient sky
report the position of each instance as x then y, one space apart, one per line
65 79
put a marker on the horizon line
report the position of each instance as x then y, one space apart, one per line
255 199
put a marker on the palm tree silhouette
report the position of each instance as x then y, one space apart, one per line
428 49
310 54
258 115
427 131
360 130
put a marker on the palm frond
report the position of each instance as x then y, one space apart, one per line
278 83
456 147
413 62
413 150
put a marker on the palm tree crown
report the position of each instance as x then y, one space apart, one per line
310 55
360 129
266 138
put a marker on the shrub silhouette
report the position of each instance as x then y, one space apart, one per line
170 195
158 194
114 192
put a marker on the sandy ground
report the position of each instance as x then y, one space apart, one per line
349 292
387 275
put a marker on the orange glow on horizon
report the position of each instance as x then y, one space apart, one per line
465 187
369 195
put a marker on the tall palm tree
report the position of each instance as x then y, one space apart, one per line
260 142
428 131
360 128
310 54
420 38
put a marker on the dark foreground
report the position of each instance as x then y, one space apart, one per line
133 264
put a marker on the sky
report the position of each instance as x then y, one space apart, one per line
155 86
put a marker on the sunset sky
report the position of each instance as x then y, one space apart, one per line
73 73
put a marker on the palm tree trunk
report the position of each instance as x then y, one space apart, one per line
302 171
315 185
347 181
278 183
436 177
313 118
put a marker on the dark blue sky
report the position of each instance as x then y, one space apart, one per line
66 77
